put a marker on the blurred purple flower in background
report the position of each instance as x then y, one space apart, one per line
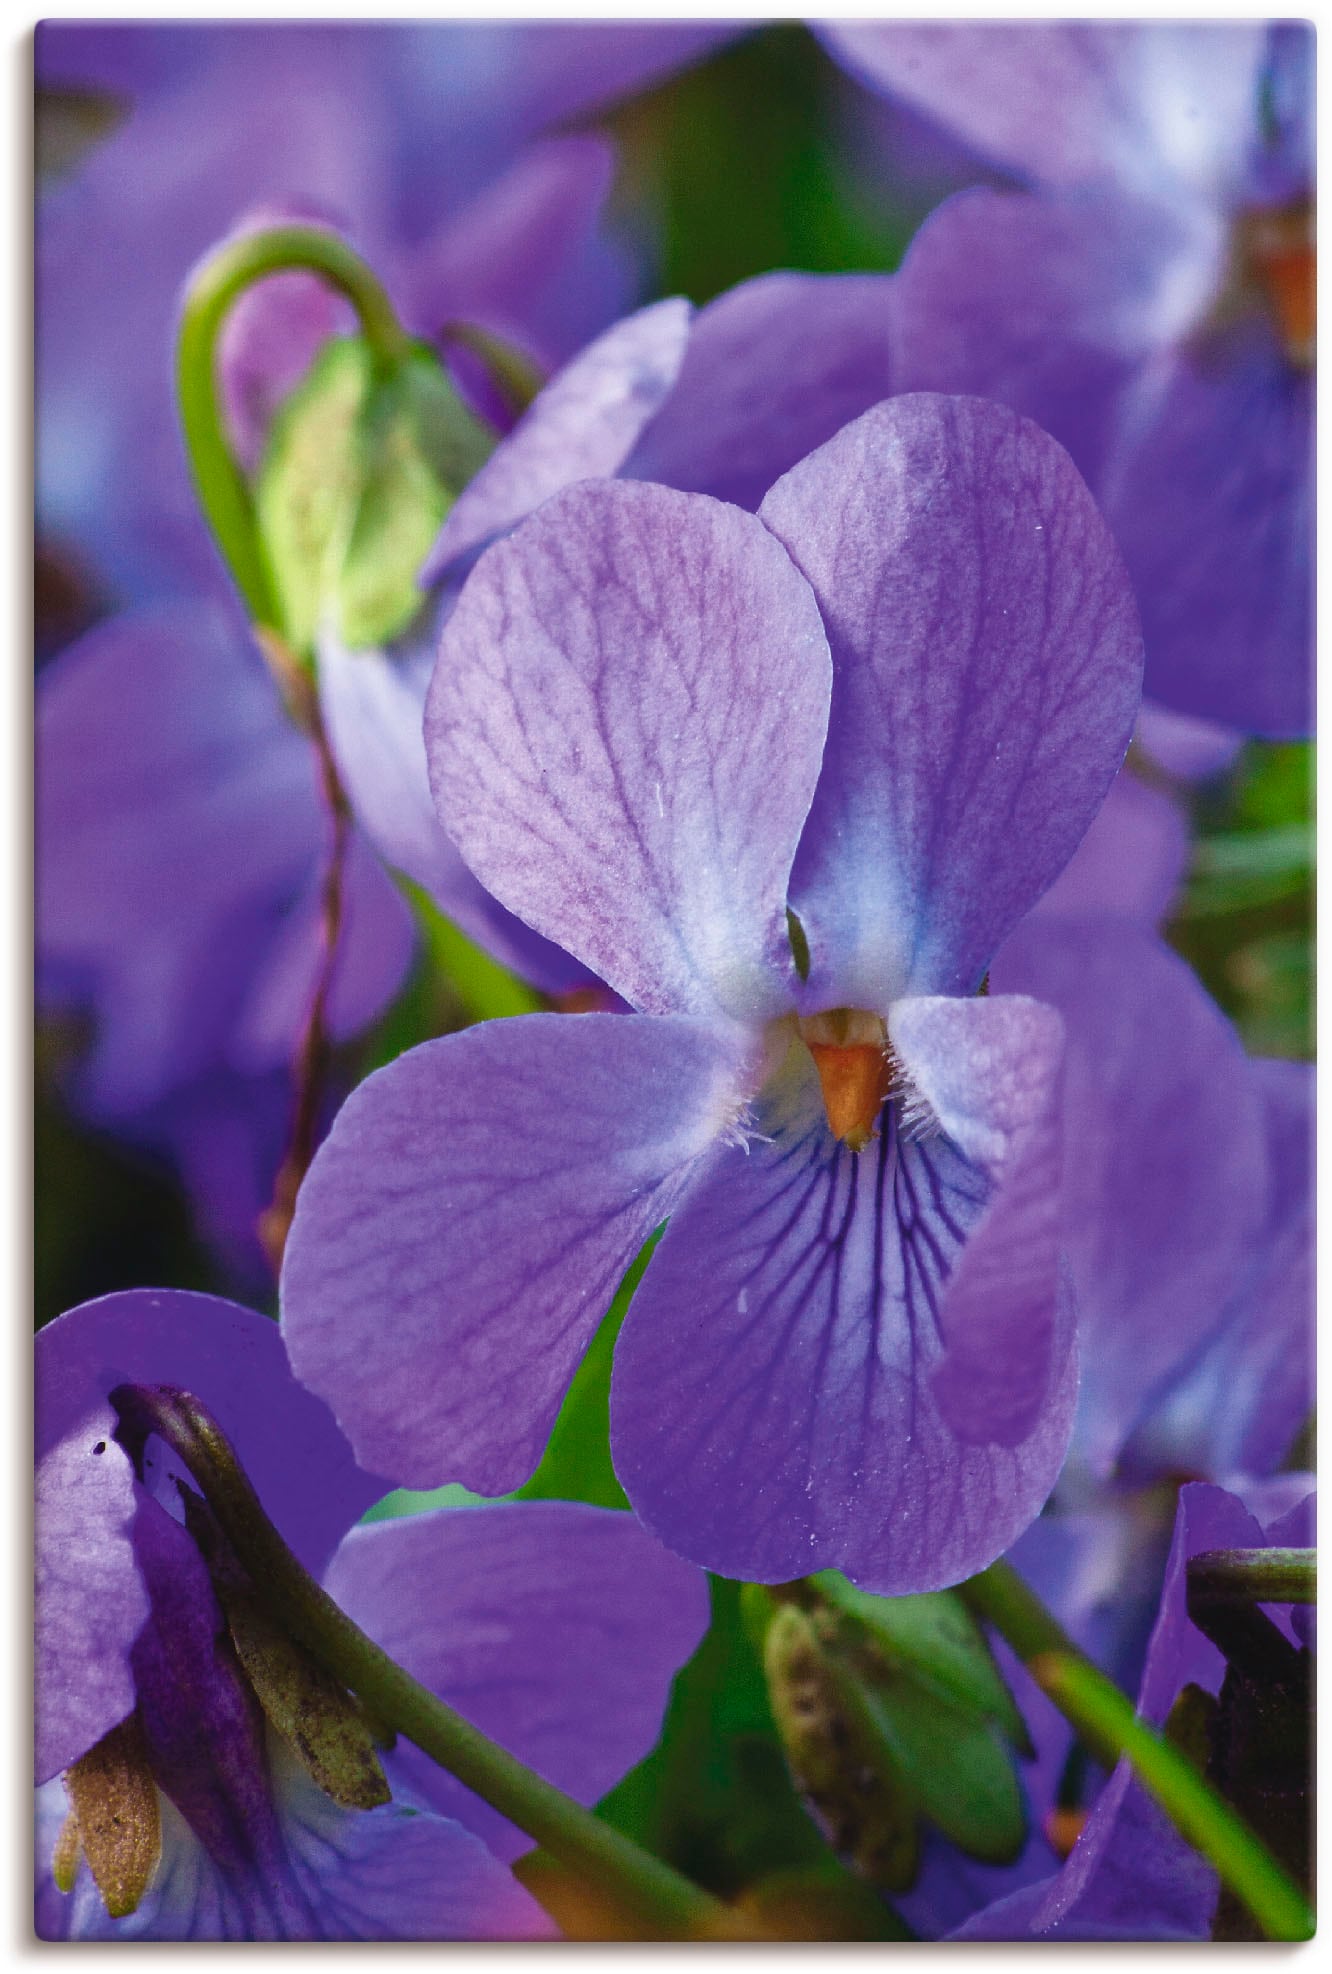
631 741
554 1627
1149 302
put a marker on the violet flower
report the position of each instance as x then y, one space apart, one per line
556 1628
1150 305
892 701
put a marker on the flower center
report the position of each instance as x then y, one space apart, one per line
851 1055
1278 260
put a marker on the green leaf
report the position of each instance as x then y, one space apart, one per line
935 1638
362 465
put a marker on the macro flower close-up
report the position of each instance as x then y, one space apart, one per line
672 937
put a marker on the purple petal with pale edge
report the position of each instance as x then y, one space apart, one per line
582 426
1130 864
373 707
1188 749
527 259
553 1627
774 367
1211 498
90 1601
987 667
233 1361
1068 101
1239 1402
466 1222
776 1399
1165 1173
395 1873
624 731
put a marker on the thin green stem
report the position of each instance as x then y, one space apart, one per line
1106 1721
1255 1576
652 1896
217 283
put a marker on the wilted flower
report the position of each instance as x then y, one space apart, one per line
784 783
218 1783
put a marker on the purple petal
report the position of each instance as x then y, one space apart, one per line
1132 861
553 1627
232 1360
90 1601
580 427
1165 1165
624 731
774 368
986 675
373 706
467 1220
1068 101
527 259
791 1369
395 1873
1211 499
1238 1403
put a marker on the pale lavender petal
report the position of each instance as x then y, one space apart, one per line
1165 1174
800 1380
90 1602
624 731
466 1222
1211 499
987 668
1132 861
553 1627
1067 101
1238 1403
581 427
1188 748
232 1360
774 367
373 705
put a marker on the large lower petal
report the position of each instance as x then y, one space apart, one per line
861 1360
774 367
467 1220
1165 1178
624 731
553 1627
581 427
986 674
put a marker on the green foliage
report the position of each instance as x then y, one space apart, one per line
363 463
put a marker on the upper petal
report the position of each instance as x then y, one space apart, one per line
468 1218
580 427
987 668
556 1629
624 730
774 367
803 1379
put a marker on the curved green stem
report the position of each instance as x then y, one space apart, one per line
651 1895
1106 1721
216 284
